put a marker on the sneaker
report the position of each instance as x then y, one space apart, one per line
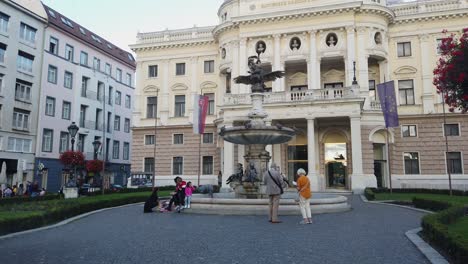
303 222
188 206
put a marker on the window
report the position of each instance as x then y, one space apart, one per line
178 139
228 83
50 106
84 86
454 163
68 80
53 45
127 125
82 31
128 101
97 64
21 119
27 33
177 165
149 165
64 139
409 131
96 38
66 110
179 109
372 92
2 52
153 71
66 22
47 136
52 74
117 123
109 95
4 19
151 106
129 79
99 120
109 117
108 69
406 91
116 149
209 66
208 138
126 151
404 49
149 139
211 103
180 68
100 91
19 144
81 142
119 75
1 86
118 98
84 58
411 162
83 109
207 165
23 91
24 61
69 53
452 130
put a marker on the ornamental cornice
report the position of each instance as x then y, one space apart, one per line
178 44
431 16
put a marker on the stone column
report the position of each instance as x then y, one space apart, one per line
228 162
313 65
351 56
277 61
311 157
165 92
427 75
362 63
235 66
243 64
356 144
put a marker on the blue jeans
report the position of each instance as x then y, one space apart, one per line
188 200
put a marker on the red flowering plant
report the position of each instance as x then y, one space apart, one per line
72 158
451 73
94 166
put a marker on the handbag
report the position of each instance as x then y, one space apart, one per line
277 183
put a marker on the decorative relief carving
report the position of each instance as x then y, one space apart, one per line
260 47
378 38
406 70
295 44
331 40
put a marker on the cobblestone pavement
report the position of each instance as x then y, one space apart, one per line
368 234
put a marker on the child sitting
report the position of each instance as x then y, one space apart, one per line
188 194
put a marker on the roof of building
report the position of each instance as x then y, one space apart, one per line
62 22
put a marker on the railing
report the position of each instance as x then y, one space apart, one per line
296 96
375 105
423 7
175 35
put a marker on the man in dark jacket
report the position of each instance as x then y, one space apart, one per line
274 188
151 202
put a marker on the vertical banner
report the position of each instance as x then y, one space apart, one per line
200 110
387 98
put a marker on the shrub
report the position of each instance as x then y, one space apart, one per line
23 199
430 204
369 194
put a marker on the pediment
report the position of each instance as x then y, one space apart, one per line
151 89
298 75
406 70
209 85
179 87
334 73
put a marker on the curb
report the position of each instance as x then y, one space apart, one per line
64 222
431 254
364 199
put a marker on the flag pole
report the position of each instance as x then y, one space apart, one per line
199 157
449 167
389 161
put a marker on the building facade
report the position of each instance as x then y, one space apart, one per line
22 26
89 81
334 54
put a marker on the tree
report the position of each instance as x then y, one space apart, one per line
451 73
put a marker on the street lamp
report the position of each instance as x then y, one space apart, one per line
96 145
73 129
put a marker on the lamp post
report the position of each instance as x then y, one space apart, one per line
96 146
73 130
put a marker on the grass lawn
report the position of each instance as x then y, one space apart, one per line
409 196
460 230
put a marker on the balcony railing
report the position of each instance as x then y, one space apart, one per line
296 96
375 105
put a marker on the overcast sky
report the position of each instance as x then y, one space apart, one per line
118 21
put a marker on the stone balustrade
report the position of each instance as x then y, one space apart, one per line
175 35
425 7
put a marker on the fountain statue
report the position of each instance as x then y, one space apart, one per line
255 134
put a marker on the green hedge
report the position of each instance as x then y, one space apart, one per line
369 194
428 191
20 217
430 204
23 199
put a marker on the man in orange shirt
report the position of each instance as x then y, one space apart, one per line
303 187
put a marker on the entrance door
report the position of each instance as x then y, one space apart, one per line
297 158
379 171
336 174
336 164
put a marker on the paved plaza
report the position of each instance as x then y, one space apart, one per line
370 233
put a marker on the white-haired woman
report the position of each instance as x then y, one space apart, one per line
303 187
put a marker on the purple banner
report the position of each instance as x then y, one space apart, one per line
386 92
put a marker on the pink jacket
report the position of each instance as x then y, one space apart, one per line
189 190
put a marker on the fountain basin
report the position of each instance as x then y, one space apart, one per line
264 135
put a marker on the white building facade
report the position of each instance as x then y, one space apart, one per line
89 81
22 26
323 46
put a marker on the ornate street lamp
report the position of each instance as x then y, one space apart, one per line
73 130
96 146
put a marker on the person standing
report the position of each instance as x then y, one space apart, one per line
188 194
303 187
274 189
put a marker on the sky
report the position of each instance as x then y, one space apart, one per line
118 21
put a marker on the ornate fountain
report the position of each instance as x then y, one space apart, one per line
255 134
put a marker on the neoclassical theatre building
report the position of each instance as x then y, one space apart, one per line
341 138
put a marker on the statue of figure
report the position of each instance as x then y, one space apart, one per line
295 44
331 40
252 173
258 76
238 175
